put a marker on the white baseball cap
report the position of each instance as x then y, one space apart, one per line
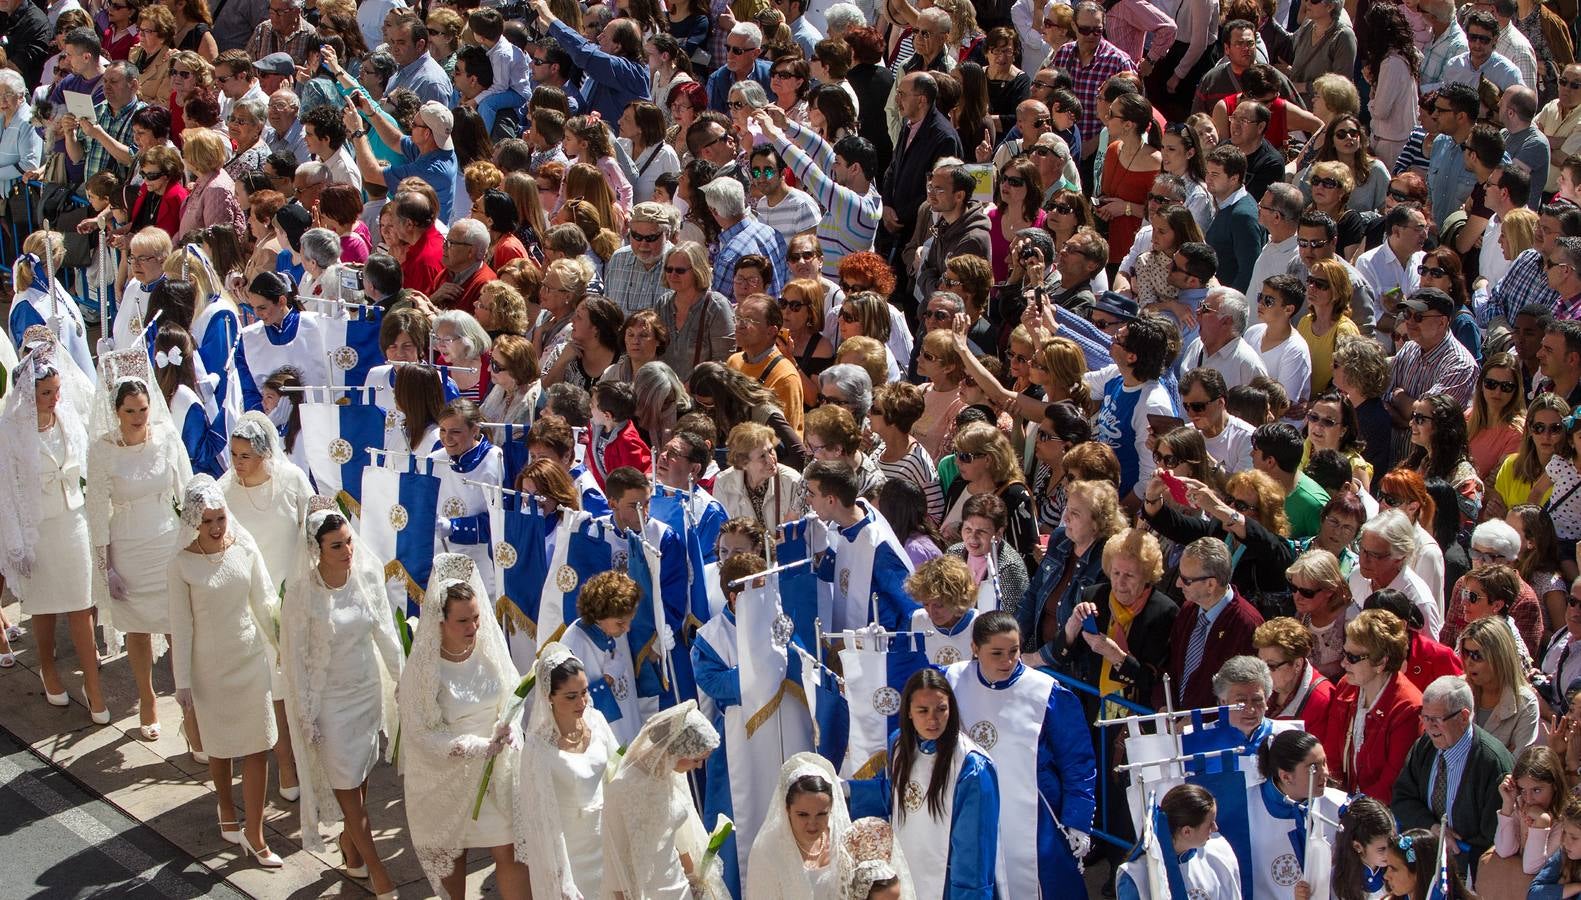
436 117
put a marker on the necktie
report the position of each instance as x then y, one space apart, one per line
1440 797
1199 639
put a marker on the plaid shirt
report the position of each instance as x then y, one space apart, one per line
266 40
626 282
1437 55
746 237
1525 283
1569 309
1107 62
96 158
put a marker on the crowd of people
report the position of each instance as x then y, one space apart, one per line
1135 356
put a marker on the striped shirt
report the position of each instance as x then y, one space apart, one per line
1448 368
918 469
851 219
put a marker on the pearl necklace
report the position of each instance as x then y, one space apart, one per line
225 544
247 491
457 655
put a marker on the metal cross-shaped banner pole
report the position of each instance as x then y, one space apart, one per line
49 278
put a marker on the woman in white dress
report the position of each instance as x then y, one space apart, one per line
872 866
796 856
137 472
269 496
560 790
458 682
222 627
653 838
43 524
337 641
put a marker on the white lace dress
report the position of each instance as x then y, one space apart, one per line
59 583
144 530
222 630
274 513
469 698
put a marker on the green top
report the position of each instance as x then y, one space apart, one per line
1304 507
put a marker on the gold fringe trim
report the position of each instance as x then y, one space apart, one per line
414 591
558 632
787 687
349 504
512 619
871 768
650 649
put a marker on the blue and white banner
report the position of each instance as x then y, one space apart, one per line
351 338
876 670
826 704
520 568
804 597
398 516
337 438
513 443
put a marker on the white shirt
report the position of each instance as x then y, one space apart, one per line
1407 583
1232 448
1384 273
1274 260
1238 361
1140 244
1571 668
1288 362
510 70
1491 263
795 213
343 168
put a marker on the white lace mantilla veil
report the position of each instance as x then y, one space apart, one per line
775 863
540 838
872 854
255 428
19 463
648 802
305 652
104 430
440 788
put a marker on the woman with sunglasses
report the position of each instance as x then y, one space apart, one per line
190 76
1018 188
1438 449
1505 704
1345 141
1252 522
1321 592
1332 425
1374 717
162 195
156 29
1559 488
1496 420
1329 295
802 306
790 81
1331 185
1524 477
1441 269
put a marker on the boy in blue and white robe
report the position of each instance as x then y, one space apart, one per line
716 663
1209 872
463 523
865 570
611 676
1036 732
1277 830
298 340
52 306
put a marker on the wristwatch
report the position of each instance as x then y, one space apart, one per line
1236 518
357 134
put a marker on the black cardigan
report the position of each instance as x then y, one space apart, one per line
1260 572
1147 646
1021 523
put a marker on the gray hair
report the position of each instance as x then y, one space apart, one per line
1232 306
1499 538
321 246
287 96
468 331
751 32
1174 184
725 197
853 383
951 298
1213 555
653 384
1571 248
380 62
1286 200
752 93
11 80
1396 530
313 172
938 19
1242 670
130 69
256 108
1442 10
1450 690
842 17
471 231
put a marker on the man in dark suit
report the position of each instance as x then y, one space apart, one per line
1456 767
925 136
1235 235
1215 623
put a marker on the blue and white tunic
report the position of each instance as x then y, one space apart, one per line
466 506
716 663
946 646
1036 733
593 499
43 304
675 601
865 571
131 314
298 341
1208 873
611 678
955 856
1277 826
217 329
204 442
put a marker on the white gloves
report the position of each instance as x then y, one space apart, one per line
442 527
1080 843
666 637
117 584
470 746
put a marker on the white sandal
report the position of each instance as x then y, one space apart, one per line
7 660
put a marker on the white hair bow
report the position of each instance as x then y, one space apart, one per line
164 359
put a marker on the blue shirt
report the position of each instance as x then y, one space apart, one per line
720 83
610 83
426 78
437 167
1497 69
1455 760
746 237
1449 182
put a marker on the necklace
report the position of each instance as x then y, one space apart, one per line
247 491
574 737
814 850
456 655
225 544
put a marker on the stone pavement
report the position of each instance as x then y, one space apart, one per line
158 784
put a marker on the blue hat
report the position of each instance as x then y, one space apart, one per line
1118 305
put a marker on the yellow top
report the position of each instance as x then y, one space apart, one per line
1322 349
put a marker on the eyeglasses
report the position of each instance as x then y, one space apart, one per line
764 173
1503 387
1399 196
1015 181
152 176
1337 522
950 281
1041 150
1308 593
147 258
1391 500
181 73
1347 134
782 73
741 51
929 357
939 315
1188 581
1556 264
1272 667
1315 419
1089 30
1319 283
1313 243
676 270
1572 85
1474 38
1170 460
1332 184
802 256
1267 301
1043 85
1241 506
1160 199
855 287
1354 658
1021 358
966 456
1063 209
1047 437
646 238
1421 419
1197 406
1420 317
1435 271
736 105
1105 324
1473 655
1545 427
538 61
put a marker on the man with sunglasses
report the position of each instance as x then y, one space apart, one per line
1480 59
1449 182
237 81
633 277
1507 189
840 177
1560 122
742 60
1390 267
1563 264
1091 61
1316 238
1228 437
1432 361
1220 346
1032 120
777 205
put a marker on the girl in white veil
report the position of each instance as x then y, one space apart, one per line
338 640
137 473
458 681
653 837
796 856
560 796
44 543
875 868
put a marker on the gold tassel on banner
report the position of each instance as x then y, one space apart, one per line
871 768
414 591
511 617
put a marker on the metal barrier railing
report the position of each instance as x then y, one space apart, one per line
1101 828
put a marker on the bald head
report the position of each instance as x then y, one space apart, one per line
1033 118
1518 107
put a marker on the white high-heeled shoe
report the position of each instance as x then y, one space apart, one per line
265 857
198 756
291 794
60 699
231 835
102 717
350 870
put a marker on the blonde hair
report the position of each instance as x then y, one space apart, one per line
34 244
985 439
1497 642
944 579
1381 635
1270 498
811 292
1340 289
205 150
1320 567
941 344
1104 498
870 356
697 257
1338 93
1520 230
575 275
1062 358
745 438
510 308
482 176
1138 544
1338 171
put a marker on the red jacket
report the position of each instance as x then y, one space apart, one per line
168 218
627 449
471 288
1392 727
1231 635
1313 712
1427 659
